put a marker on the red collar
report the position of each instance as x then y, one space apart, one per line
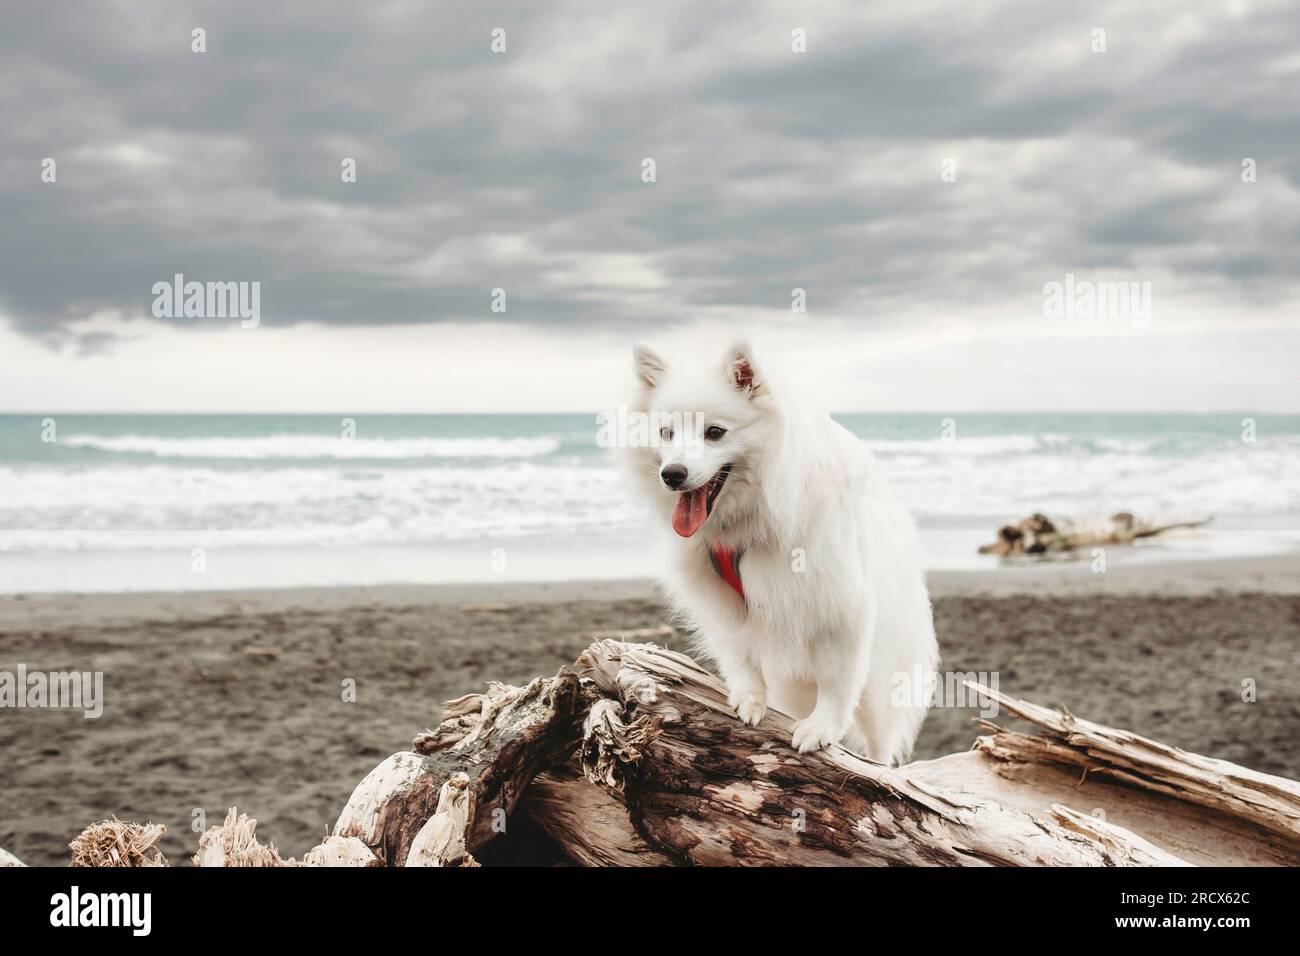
727 564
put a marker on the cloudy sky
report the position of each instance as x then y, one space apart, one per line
774 170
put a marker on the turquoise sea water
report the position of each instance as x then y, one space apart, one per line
429 497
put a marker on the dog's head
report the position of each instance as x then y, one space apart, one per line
709 420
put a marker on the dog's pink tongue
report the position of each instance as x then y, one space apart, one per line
691 511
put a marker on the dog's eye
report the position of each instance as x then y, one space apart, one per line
666 433
714 432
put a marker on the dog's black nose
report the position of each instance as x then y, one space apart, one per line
673 475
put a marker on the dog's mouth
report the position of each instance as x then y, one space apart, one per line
694 507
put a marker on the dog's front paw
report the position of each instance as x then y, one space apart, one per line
749 705
813 733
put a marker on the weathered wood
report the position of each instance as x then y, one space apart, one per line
234 843
441 841
115 842
591 826
1039 534
499 740
1192 833
340 851
1269 802
703 788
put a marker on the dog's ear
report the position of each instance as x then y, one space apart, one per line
741 370
649 366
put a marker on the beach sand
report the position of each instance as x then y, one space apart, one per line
194 724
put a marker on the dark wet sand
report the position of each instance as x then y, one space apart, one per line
193 723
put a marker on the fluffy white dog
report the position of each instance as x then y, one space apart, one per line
793 562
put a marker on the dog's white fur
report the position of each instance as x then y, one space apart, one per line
836 611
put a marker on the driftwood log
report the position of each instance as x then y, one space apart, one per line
700 787
631 757
635 759
235 843
1039 534
437 804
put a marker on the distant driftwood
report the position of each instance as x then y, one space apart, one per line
1039 534
631 757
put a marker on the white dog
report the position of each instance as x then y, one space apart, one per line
793 562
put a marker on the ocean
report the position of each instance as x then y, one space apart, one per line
166 502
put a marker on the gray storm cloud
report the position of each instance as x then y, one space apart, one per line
521 170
